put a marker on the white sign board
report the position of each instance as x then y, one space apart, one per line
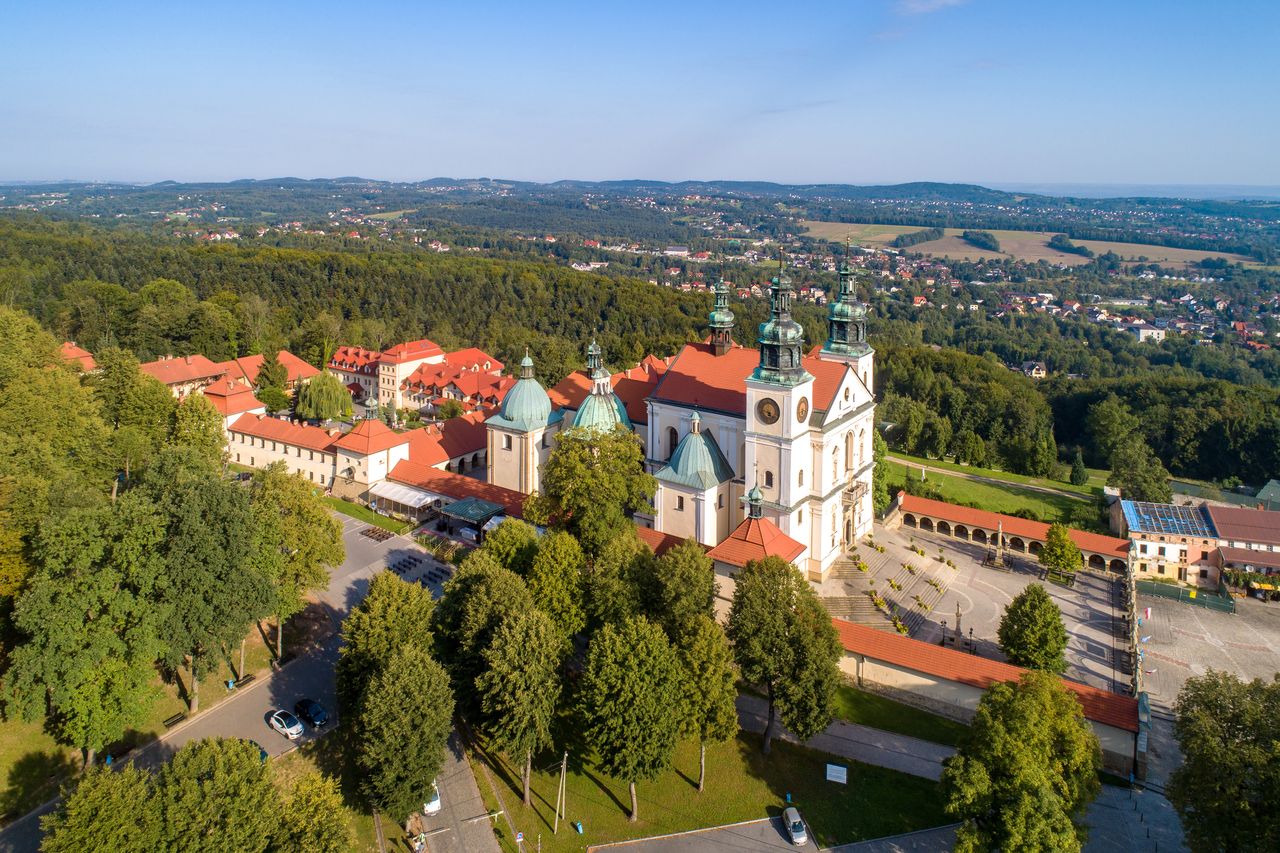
838 773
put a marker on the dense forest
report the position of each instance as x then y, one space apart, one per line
1207 411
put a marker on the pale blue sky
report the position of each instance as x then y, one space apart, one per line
862 91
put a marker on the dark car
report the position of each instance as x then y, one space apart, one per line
312 712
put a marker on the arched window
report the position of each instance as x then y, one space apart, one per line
673 440
862 447
768 479
848 450
802 476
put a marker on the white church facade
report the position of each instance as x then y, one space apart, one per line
755 451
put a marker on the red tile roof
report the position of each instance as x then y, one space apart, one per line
658 542
174 371
411 351
1101 706
473 359
274 429
633 386
456 486
1246 525
357 359
71 352
246 367
698 377
1023 528
232 398
755 539
371 436
437 444
1250 556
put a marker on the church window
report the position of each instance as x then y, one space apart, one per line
800 517
848 450
846 395
862 447
506 442
673 440
679 504
720 502
768 479
802 476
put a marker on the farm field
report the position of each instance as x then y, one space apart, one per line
1025 245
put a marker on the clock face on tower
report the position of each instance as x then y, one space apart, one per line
767 411
802 410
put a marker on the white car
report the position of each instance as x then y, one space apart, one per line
432 805
286 724
795 826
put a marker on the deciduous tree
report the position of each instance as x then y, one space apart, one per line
709 691
684 589
880 497
402 729
323 398
1138 473
1031 631
313 818
393 615
1227 789
513 544
217 794
556 582
1060 553
784 642
1027 770
198 425
1110 424
520 687
105 810
630 701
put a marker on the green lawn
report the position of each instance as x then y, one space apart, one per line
367 515
1005 497
1097 477
879 712
741 785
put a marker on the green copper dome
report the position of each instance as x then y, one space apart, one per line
602 412
697 462
526 406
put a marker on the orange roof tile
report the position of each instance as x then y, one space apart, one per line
370 436
437 444
173 371
1013 525
658 542
755 539
356 359
246 367
457 486
71 352
827 376
232 398
1101 706
411 350
473 359
632 387
699 377
274 429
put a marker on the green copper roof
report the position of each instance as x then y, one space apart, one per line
602 412
697 462
526 406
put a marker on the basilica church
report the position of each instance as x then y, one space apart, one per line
756 452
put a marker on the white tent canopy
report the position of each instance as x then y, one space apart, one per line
403 495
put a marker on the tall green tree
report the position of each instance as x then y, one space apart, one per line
618 579
1110 424
589 484
556 582
394 614
684 589
783 641
130 398
217 794
520 687
271 373
513 543
1026 771
1079 474
88 623
630 701
477 599
1031 631
402 729
1138 473
105 810
273 399
198 425
880 474
323 398
313 818
209 590
1227 789
707 665
296 541
1060 553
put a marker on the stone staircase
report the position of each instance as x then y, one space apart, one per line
917 584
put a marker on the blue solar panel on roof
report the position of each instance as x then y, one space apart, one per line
1167 518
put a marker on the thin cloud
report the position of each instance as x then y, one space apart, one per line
924 7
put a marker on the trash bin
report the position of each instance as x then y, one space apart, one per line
577 825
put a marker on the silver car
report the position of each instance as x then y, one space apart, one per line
795 826
286 724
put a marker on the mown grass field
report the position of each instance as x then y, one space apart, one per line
996 497
878 712
742 784
1025 245
1091 489
365 514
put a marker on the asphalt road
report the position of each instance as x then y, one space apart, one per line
311 675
